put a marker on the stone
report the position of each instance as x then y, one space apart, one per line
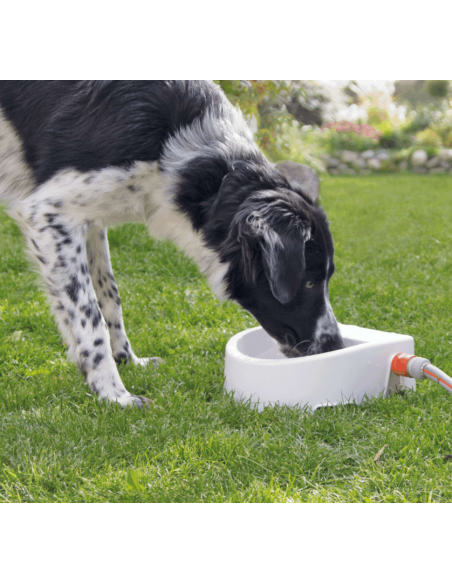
445 154
349 171
419 169
368 154
332 162
333 172
348 156
364 171
358 163
403 165
445 165
374 164
342 167
435 161
436 171
383 155
301 176
419 158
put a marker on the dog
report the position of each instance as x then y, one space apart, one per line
79 157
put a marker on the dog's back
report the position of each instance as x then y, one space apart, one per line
46 127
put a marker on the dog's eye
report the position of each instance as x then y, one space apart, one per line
309 284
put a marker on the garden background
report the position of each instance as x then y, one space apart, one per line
351 127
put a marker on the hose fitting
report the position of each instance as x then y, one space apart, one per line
408 365
420 368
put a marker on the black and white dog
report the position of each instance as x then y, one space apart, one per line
78 157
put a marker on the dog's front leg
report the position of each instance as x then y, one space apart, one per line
107 292
57 242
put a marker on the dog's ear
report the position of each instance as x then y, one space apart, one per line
284 264
281 245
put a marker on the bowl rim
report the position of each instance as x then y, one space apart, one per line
233 351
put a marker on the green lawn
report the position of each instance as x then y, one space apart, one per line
393 240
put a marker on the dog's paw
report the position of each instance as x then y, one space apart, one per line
146 361
131 400
123 357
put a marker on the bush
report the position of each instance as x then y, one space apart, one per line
421 119
428 137
447 139
302 145
250 96
438 88
395 139
443 128
334 141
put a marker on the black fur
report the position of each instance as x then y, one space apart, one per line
88 125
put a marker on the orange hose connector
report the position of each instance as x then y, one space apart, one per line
419 368
399 364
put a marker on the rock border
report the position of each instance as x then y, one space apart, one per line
347 162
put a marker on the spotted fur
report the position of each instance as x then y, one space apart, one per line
78 157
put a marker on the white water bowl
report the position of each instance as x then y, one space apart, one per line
255 369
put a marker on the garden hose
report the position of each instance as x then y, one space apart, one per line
420 368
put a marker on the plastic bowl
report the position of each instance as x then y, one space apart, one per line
256 370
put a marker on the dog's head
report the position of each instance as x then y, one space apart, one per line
281 260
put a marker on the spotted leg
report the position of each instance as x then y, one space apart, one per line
57 242
108 297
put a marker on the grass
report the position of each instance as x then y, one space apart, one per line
394 269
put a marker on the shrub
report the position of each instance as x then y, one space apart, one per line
302 145
447 139
438 88
250 97
395 139
421 119
349 136
443 127
333 141
428 137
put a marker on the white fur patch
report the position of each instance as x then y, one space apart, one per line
165 221
327 323
209 136
140 194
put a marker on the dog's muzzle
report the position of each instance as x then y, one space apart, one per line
324 344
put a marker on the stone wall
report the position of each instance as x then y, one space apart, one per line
375 161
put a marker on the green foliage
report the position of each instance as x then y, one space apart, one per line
395 138
438 88
413 93
334 141
421 119
304 100
251 97
269 104
443 127
431 150
428 137
302 145
378 117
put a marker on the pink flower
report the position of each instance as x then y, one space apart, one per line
360 129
